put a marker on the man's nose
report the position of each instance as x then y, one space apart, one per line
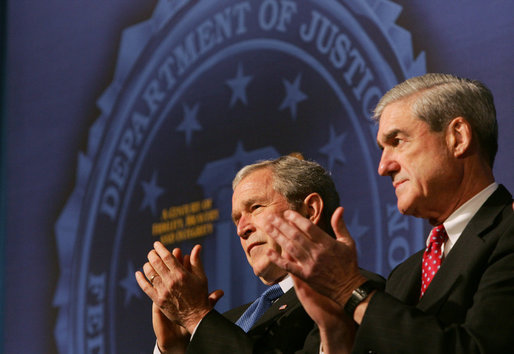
245 226
387 165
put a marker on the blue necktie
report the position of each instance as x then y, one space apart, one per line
258 307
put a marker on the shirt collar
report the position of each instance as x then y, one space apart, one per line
286 284
459 219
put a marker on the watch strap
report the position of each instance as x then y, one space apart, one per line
359 295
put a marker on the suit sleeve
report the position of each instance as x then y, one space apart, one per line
216 334
285 329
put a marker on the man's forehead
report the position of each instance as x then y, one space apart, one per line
395 117
255 182
255 179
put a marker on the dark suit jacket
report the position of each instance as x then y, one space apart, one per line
282 329
468 307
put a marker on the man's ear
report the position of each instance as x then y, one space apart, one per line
459 136
313 205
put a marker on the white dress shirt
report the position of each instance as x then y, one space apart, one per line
459 219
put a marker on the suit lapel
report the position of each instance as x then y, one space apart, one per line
404 283
284 304
457 264
467 252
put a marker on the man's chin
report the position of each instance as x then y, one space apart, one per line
404 208
412 209
269 276
267 281
264 276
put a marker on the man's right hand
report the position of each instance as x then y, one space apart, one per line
337 330
171 337
327 265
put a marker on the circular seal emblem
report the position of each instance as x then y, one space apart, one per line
201 89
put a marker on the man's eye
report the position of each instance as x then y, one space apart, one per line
256 206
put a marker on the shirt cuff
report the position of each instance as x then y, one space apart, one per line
156 349
196 327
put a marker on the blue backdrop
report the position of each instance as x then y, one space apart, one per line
124 122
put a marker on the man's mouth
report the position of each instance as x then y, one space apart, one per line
398 183
253 245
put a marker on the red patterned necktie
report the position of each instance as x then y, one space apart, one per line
432 257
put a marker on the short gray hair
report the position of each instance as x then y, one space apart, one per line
295 179
439 98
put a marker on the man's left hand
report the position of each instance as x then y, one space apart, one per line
179 286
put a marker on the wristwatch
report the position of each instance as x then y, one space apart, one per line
358 295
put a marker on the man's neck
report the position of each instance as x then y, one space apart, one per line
465 193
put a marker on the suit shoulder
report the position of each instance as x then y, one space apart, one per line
236 312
